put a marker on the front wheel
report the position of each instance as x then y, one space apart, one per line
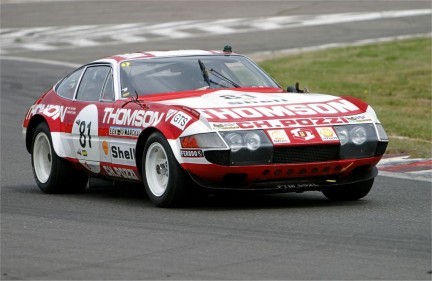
164 179
53 174
349 192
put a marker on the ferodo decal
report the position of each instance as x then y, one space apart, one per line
327 134
85 134
195 153
50 110
180 120
129 117
329 108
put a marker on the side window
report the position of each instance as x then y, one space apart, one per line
67 87
91 84
108 89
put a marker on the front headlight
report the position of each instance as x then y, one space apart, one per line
358 135
248 147
252 141
234 140
357 141
342 134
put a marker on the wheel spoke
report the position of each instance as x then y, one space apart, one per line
42 157
157 169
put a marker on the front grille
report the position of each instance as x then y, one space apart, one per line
219 157
305 154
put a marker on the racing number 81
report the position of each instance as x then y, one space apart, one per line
83 137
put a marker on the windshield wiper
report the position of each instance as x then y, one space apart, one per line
223 77
136 101
204 72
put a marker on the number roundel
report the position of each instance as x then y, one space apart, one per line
85 134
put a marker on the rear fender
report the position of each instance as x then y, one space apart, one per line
57 137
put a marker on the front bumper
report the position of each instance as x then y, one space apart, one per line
284 177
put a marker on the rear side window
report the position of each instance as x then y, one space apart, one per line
67 86
108 90
92 83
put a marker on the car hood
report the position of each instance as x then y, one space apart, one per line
228 106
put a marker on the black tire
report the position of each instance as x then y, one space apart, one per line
349 192
164 179
52 173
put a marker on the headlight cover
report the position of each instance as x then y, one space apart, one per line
358 135
357 141
248 147
234 141
252 141
343 135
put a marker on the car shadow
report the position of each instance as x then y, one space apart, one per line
205 200
251 200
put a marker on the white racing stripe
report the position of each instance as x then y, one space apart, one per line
15 40
265 55
42 61
424 173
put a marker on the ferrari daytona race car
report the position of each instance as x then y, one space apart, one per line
213 119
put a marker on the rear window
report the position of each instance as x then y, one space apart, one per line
66 88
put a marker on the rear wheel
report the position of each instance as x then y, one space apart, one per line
52 173
349 192
164 179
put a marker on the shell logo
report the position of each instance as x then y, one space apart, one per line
278 136
105 147
326 132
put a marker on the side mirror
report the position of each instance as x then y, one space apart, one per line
296 89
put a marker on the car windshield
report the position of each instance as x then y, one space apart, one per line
163 75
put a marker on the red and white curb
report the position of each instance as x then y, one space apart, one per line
405 167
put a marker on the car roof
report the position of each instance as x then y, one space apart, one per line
162 54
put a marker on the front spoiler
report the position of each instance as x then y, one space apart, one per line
292 185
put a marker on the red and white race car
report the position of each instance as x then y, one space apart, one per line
171 119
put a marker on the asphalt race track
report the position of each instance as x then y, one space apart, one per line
113 233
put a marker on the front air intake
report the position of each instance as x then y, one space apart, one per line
306 154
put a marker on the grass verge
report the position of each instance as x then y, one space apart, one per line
394 78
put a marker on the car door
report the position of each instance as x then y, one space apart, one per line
95 93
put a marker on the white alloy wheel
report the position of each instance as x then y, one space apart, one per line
52 173
157 169
42 157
